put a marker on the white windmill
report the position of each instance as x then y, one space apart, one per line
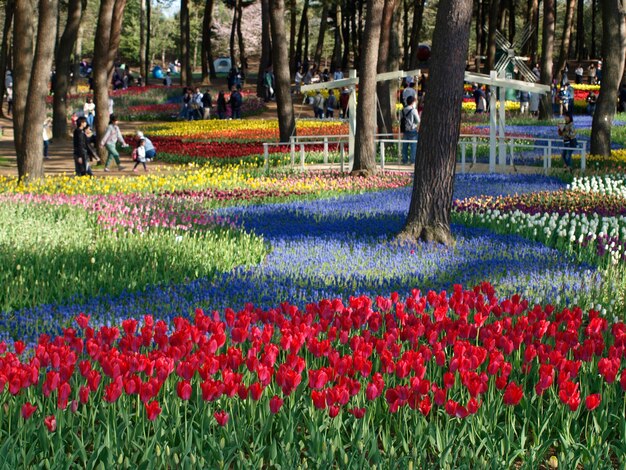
509 55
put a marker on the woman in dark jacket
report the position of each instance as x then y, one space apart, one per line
80 148
221 105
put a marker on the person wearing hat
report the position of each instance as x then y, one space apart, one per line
148 145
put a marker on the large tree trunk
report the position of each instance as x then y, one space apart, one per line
107 39
31 75
266 47
567 34
435 163
62 61
406 40
512 25
243 58
365 151
300 55
142 36
383 89
185 43
479 34
613 50
317 56
292 36
494 10
9 8
580 31
418 16
147 61
594 9
336 63
547 50
280 60
207 22
532 45
233 32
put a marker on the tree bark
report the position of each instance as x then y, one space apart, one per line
406 40
336 63
494 10
280 60
243 58
567 34
580 30
207 22
292 36
31 76
356 56
613 50
185 45
547 51
418 17
62 62
266 47
435 163
107 40
479 34
365 149
512 25
9 8
317 56
345 58
383 89
233 32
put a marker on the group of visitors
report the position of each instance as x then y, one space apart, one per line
313 75
326 107
198 105
85 142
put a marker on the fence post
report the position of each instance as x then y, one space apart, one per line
382 155
293 151
512 145
463 157
266 157
341 155
545 161
549 153
302 157
583 157
474 147
325 150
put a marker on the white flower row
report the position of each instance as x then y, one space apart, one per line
554 229
613 185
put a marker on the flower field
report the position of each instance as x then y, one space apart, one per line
221 316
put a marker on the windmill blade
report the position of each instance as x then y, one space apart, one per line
501 41
524 36
502 63
524 70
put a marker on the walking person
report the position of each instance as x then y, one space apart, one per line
89 111
111 137
80 148
46 138
139 155
221 105
567 131
524 101
409 123
9 92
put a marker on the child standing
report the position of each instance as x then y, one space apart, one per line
140 153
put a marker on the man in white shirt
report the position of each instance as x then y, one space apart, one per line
410 121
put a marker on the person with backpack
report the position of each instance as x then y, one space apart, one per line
207 104
409 122
235 103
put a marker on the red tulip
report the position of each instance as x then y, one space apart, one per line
221 417
513 394
275 403
51 423
184 390
19 347
358 413
64 394
593 401
153 410
425 406
333 411
82 320
27 410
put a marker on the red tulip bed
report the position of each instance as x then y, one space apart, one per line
432 379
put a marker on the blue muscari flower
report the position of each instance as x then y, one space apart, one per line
337 248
